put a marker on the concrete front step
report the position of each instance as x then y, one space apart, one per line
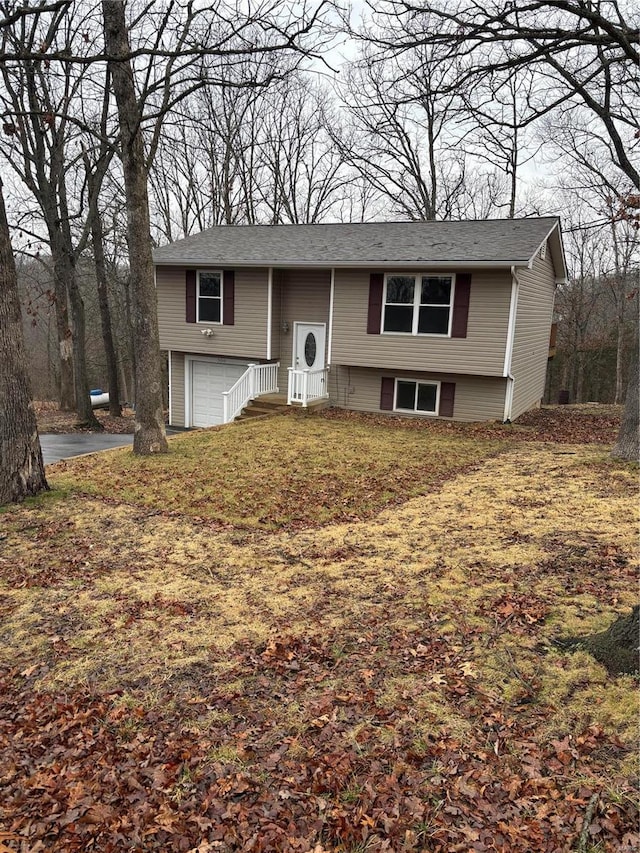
260 408
269 405
272 404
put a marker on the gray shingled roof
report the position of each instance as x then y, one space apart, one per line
497 242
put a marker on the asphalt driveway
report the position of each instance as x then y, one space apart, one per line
56 447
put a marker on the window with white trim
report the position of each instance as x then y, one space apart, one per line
413 396
418 304
209 297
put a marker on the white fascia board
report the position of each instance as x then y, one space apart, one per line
562 273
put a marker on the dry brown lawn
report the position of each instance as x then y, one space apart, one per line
315 617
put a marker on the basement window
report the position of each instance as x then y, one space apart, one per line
412 396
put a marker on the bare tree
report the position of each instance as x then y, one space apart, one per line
97 243
166 62
628 442
249 155
592 184
150 436
403 133
41 143
499 116
183 42
577 304
21 466
584 52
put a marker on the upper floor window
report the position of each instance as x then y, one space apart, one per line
209 297
418 304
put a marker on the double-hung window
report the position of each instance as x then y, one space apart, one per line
418 304
412 396
209 297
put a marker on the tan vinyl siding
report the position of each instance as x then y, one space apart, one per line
531 340
482 352
304 298
478 398
177 389
247 338
276 315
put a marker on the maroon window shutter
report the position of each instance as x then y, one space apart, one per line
387 388
374 318
228 297
447 396
190 279
461 305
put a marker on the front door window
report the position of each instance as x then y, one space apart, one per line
310 349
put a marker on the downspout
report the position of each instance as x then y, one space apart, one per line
508 353
331 293
269 311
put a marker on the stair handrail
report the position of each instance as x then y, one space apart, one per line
257 379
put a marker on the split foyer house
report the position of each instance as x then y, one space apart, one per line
432 319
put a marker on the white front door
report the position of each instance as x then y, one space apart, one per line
308 346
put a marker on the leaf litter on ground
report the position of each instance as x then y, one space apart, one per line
386 680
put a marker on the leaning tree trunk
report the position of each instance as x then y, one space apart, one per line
628 444
150 436
21 466
617 648
65 337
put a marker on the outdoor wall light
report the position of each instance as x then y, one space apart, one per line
206 332
285 327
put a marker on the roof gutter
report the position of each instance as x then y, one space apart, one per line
363 264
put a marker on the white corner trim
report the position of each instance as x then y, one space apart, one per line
511 328
330 329
170 389
269 310
187 391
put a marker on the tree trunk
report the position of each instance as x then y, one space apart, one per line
619 362
628 444
579 391
21 466
115 409
65 338
86 415
150 436
617 647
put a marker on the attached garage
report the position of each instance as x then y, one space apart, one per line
206 379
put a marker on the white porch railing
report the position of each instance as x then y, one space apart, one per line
256 380
307 385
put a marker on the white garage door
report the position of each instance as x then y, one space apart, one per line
208 381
